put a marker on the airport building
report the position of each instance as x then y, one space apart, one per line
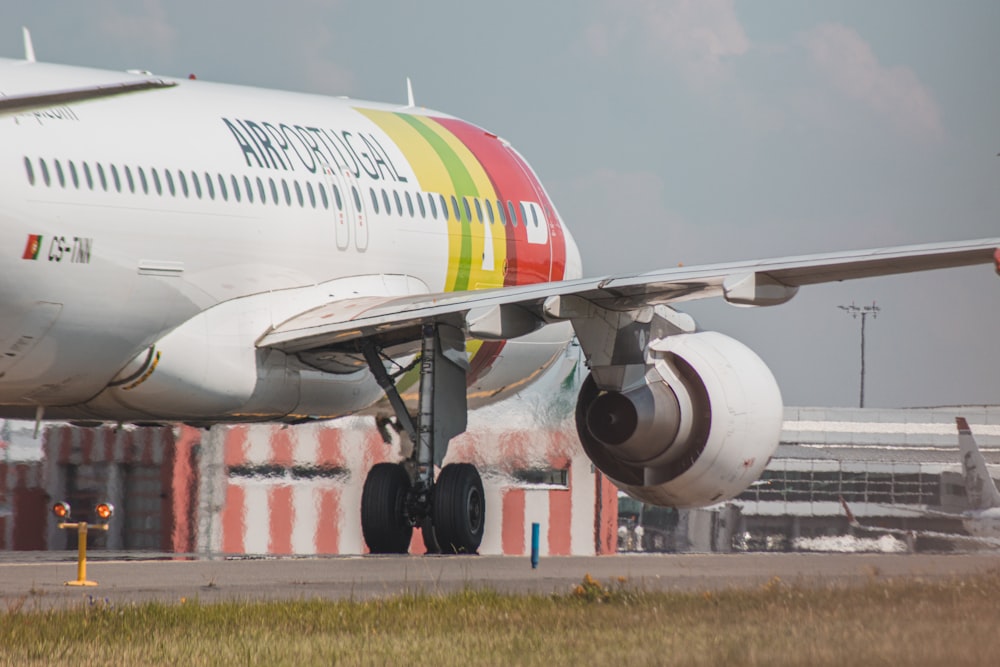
889 465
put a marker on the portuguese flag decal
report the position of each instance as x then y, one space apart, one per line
32 247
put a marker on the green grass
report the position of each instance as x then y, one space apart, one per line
951 622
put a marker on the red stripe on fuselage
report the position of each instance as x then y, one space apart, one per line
514 181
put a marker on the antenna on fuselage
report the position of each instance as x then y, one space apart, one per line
409 94
29 49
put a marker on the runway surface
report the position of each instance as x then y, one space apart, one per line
37 579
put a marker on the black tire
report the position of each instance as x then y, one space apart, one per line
459 509
383 514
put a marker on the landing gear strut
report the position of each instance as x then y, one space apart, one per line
397 497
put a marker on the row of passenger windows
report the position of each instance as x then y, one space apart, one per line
188 184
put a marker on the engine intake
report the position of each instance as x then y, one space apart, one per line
698 429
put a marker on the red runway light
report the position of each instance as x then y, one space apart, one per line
105 510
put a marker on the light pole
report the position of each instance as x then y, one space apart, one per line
864 312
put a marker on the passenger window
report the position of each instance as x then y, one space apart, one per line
288 193
89 178
312 194
128 177
468 211
222 188
45 172
454 207
371 191
169 176
357 198
248 186
156 179
489 211
196 182
337 198
59 174
399 202
430 201
298 193
524 214
534 214
500 213
479 210
208 185
444 207
513 214
409 203
237 195
261 193
142 178
101 177
420 205
73 175
386 203
323 197
116 179
29 171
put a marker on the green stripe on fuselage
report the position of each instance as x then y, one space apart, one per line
464 186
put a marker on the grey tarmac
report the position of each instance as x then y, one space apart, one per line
36 580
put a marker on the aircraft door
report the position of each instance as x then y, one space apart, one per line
343 221
354 200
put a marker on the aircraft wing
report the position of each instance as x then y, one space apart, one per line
513 311
953 537
16 104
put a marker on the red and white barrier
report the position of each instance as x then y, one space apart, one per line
297 490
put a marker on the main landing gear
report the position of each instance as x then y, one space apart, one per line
396 497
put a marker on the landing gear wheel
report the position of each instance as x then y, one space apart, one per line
383 510
459 510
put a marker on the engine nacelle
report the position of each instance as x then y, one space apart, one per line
698 429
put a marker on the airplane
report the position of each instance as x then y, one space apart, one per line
982 518
176 250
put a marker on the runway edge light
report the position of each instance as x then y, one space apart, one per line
103 512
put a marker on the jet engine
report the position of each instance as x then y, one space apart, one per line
696 428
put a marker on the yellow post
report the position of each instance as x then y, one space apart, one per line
81 560
61 510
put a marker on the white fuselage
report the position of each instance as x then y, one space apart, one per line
983 523
227 210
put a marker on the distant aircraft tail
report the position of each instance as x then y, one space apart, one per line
850 515
979 486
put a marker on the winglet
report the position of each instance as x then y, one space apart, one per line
410 103
980 488
29 48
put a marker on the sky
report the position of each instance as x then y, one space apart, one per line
672 131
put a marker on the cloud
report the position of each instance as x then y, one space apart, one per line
144 23
695 36
895 93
